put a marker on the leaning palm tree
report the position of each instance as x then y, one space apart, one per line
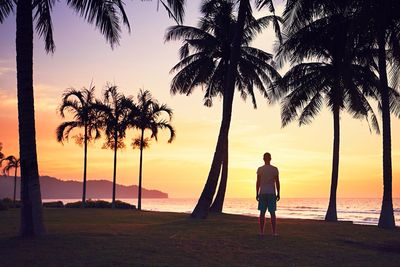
206 61
147 115
107 16
114 118
80 104
326 72
12 163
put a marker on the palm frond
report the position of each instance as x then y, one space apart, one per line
137 143
64 129
167 125
311 109
44 25
6 7
175 9
178 32
276 21
104 14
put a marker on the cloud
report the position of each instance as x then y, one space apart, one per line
6 70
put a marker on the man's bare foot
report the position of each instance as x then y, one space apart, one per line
275 234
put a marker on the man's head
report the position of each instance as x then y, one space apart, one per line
267 157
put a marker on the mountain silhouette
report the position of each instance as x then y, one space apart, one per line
53 188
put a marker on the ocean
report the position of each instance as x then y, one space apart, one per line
358 210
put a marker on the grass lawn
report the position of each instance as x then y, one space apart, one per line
102 237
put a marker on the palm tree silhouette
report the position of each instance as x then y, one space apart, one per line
114 118
106 15
383 38
206 59
147 115
333 76
12 163
80 104
382 20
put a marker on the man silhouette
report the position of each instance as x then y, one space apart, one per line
267 194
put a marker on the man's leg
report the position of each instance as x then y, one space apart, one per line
262 222
273 223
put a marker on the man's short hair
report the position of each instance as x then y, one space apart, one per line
267 156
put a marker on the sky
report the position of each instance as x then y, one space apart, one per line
143 61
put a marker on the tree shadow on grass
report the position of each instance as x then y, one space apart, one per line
389 246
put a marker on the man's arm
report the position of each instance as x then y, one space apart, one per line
257 186
278 187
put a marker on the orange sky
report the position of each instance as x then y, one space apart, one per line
303 155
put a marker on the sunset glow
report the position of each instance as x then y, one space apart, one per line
143 60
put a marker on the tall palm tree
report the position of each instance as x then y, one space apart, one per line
107 16
383 31
12 163
114 118
80 104
327 71
207 60
147 115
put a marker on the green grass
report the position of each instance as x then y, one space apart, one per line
93 237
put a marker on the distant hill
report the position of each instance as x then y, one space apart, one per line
54 188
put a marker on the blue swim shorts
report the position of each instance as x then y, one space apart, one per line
267 201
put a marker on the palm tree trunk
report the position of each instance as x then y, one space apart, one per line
115 168
15 184
218 203
386 218
31 209
84 167
140 171
331 214
203 205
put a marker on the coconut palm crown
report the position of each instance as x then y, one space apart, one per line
206 51
80 104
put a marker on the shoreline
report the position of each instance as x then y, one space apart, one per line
360 211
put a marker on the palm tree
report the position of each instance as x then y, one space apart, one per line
114 118
333 76
107 16
12 163
383 33
147 116
80 104
206 60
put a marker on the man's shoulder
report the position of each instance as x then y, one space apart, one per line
275 168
